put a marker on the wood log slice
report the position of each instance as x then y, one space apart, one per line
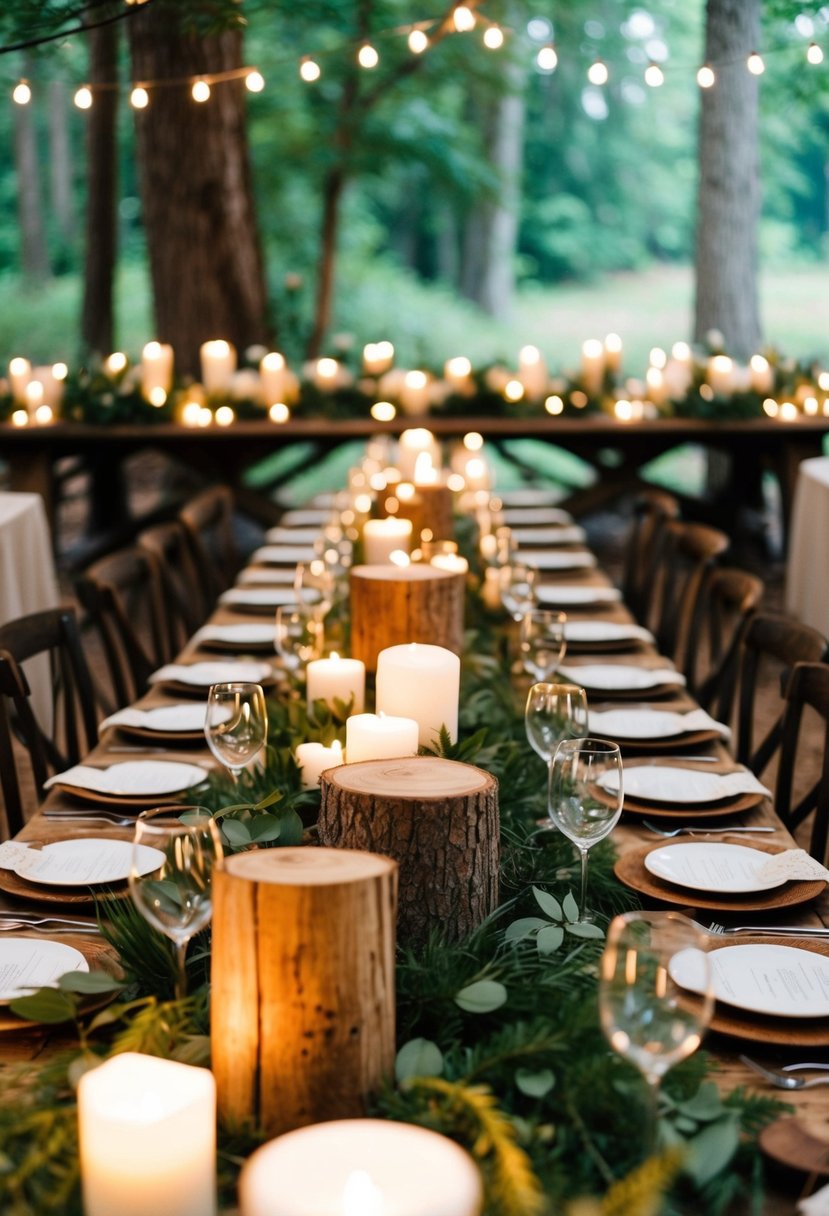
431 510
439 819
303 998
392 605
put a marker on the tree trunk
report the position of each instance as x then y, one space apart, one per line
60 160
391 606
333 190
97 321
34 258
202 238
729 181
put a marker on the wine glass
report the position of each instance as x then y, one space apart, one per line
541 641
298 635
586 796
516 583
554 712
236 723
314 585
174 894
655 994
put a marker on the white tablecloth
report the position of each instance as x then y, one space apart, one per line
807 571
28 581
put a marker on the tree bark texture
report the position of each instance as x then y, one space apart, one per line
34 257
302 995
438 819
392 607
60 160
98 313
202 238
728 201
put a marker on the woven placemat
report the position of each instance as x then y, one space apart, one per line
694 810
39 893
760 1028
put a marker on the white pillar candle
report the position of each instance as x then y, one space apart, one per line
762 375
371 1167
20 373
382 536
613 353
34 397
379 737
532 372
377 357
457 373
720 375
315 758
592 366
147 1130
336 677
52 378
423 682
415 392
156 369
272 375
655 381
218 363
409 447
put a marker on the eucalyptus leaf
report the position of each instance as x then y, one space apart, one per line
48 1005
89 982
705 1105
548 904
270 800
535 1084
549 939
523 928
583 928
237 833
571 908
711 1150
292 829
418 1058
483 996
265 828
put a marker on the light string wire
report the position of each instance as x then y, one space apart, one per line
132 8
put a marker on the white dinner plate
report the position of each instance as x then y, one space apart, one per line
272 576
85 862
672 784
570 534
165 719
780 981
260 597
730 869
238 635
651 723
28 962
202 675
292 536
573 594
284 555
133 778
620 677
303 517
605 631
552 516
556 559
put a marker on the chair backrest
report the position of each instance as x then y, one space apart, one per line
208 522
652 510
74 729
807 685
124 598
729 598
769 640
183 596
689 553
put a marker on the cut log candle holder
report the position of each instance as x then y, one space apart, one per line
438 819
392 605
430 509
302 1000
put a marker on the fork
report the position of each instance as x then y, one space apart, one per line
784 1080
721 831
60 925
119 821
769 930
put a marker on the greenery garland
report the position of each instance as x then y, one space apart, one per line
499 1042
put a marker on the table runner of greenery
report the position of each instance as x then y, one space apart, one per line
499 1042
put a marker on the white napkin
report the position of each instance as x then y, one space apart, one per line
202 675
815 1205
569 535
139 777
284 555
793 864
605 631
556 559
665 783
576 593
652 723
163 718
621 677
13 854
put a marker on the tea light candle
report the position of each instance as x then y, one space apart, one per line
382 536
336 677
379 737
218 363
156 368
147 1130
372 1166
423 682
315 758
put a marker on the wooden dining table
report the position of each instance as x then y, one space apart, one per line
811 1107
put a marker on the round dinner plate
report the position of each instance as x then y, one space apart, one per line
85 862
132 779
771 980
622 678
31 962
711 866
576 595
674 785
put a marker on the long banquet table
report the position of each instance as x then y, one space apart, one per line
812 1107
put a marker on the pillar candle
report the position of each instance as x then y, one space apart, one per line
532 372
720 375
377 358
457 373
336 677
415 392
423 682
156 368
218 363
379 737
592 366
382 536
409 447
20 373
613 353
147 1130
315 758
272 375
371 1167
762 375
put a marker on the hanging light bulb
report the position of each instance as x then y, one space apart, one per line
756 64
200 90
705 76
367 56
654 76
463 18
597 73
309 70
83 97
814 54
493 37
547 59
22 93
139 98
418 42
254 81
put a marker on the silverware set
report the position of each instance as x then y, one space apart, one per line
786 1078
46 924
730 830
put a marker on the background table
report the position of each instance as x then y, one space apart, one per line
807 571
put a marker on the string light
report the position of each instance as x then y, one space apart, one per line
200 90
139 98
463 18
547 59
705 76
310 70
22 93
418 42
254 81
654 76
493 37
597 73
367 56
83 97
755 64
814 54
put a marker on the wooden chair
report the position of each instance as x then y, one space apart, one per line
652 510
766 640
124 599
74 730
207 520
184 599
730 597
689 553
807 685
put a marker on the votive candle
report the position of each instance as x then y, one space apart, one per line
314 758
336 677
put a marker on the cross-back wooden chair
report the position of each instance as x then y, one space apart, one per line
688 556
769 641
710 659
807 685
73 732
183 592
652 510
124 599
208 522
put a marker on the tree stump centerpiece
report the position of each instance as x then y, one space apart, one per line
391 605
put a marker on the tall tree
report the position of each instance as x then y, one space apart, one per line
34 258
97 318
728 201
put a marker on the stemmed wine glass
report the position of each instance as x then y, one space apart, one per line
586 796
298 635
236 723
655 994
516 583
554 712
314 584
542 641
175 896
